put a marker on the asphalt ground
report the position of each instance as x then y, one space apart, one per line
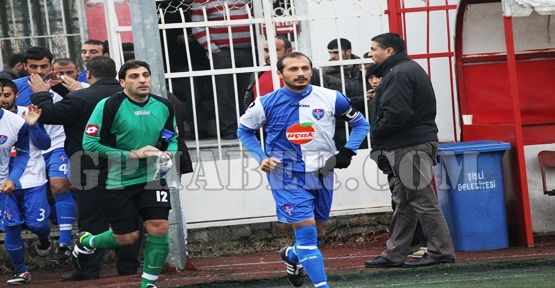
512 267
529 273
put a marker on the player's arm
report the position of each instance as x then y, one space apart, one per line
59 113
360 127
168 135
39 137
249 123
37 133
92 141
21 159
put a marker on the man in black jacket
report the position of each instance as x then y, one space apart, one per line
404 143
73 112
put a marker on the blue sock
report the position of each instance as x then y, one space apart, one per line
306 247
14 246
65 211
292 254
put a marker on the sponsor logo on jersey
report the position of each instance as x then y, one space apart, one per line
288 208
142 113
299 105
92 130
300 133
3 139
13 152
318 113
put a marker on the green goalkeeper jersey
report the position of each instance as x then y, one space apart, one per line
118 125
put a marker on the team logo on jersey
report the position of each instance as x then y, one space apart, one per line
142 113
3 139
300 133
318 113
92 130
62 157
288 208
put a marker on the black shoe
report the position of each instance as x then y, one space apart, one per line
19 278
76 276
42 247
427 260
295 273
80 253
61 252
381 262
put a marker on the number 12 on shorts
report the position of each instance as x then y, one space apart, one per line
161 196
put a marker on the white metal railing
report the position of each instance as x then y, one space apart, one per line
315 23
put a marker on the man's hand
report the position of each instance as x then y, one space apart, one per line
370 94
37 84
7 186
71 84
269 164
144 152
32 115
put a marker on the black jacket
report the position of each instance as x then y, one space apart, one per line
332 77
403 110
74 110
185 164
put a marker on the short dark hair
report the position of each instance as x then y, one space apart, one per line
37 53
64 62
371 71
131 65
334 44
5 82
102 67
16 58
393 40
286 41
280 65
103 44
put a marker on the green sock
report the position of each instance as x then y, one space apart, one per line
104 240
156 252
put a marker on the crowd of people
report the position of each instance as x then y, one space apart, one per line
94 146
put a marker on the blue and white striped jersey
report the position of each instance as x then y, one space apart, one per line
13 132
300 126
35 172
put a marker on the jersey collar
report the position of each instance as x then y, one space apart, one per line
300 95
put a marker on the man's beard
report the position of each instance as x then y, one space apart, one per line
9 108
295 86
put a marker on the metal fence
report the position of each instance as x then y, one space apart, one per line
55 24
193 73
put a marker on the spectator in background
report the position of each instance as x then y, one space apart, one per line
219 46
90 49
16 67
332 74
333 80
265 81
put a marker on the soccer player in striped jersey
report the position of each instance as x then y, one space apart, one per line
299 121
